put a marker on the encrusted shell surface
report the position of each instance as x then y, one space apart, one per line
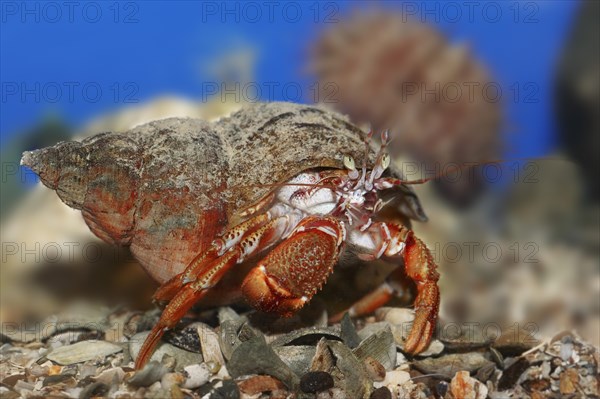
167 188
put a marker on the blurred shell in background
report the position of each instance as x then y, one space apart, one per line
386 70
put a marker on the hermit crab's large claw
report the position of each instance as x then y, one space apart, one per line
296 269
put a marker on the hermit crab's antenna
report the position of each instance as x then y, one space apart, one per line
389 182
382 161
363 176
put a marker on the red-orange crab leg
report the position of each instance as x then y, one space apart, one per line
250 244
368 303
393 286
169 289
296 269
419 266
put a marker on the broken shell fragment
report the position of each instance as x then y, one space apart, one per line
307 336
186 338
372 328
209 343
182 357
448 365
256 357
298 358
394 378
225 313
374 368
83 351
467 340
348 332
171 379
112 376
435 348
234 332
151 373
196 375
466 387
333 393
228 337
323 359
396 316
346 369
257 384
380 346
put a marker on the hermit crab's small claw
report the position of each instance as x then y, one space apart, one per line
426 312
421 268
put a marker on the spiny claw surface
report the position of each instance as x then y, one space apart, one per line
426 314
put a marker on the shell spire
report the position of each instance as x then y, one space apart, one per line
59 168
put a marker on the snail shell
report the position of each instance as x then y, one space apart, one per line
167 188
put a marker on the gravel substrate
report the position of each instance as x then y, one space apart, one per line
227 355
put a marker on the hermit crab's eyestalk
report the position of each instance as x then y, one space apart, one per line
383 162
351 166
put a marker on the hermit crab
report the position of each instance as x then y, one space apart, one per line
282 187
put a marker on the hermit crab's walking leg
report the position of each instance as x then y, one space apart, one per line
168 290
390 288
390 241
296 269
247 243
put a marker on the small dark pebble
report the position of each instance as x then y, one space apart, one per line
316 381
442 388
381 393
512 373
93 390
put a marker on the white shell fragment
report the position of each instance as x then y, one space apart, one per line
196 375
393 378
83 351
211 347
380 346
396 316
435 348
467 387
